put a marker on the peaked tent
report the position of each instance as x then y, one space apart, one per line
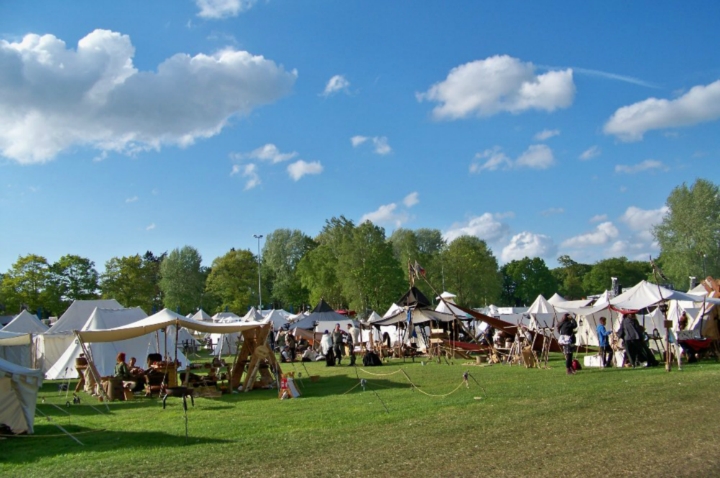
556 299
322 314
104 354
225 317
26 323
202 316
18 395
278 317
226 344
645 294
55 341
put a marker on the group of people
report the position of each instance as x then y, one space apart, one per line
630 331
332 345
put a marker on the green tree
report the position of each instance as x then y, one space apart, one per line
471 272
689 235
26 284
282 252
182 279
71 278
525 279
133 281
370 275
570 276
628 273
424 246
233 280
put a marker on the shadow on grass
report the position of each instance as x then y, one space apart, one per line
48 441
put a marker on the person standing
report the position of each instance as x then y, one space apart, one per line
291 344
605 349
567 328
337 340
351 344
631 333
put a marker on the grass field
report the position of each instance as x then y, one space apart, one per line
642 422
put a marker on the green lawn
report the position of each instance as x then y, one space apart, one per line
643 422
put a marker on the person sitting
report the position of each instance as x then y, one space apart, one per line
309 355
122 371
134 369
285 355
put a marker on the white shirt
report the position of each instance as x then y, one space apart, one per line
326 343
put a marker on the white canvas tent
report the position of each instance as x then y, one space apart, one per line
226 317
104 354
18 395
55 341
645 294
201 316
226 344
17 348
25 323
278 317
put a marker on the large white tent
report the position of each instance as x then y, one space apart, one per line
104 354
278 317
18 396
17 348
55 341
226 344
201 316
26 323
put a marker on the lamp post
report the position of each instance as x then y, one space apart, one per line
258 237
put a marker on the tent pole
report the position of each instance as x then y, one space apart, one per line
93 370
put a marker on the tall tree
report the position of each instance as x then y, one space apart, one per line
471 272
26 284
72 278
570 276
628 273
689 235
425 247
525 279
233 279
182 279
133 281
282 252
370 275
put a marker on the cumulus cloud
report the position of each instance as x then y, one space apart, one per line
217 9
131 199
411 199
248 171
386 214
55 98
590 153
599 218
298 169
603 233
487 227
528 244
496 84
546 134
647 165
700 104
380 143
336 84
537 156
642 221
268 152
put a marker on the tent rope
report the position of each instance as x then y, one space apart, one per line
380 374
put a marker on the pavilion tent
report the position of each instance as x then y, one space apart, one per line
325 317
226 344
25 322
644 295
104 354
225 317
201 316
278 317
556 299
18 396
17 348
53 342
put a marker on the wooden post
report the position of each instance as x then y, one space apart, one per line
668 360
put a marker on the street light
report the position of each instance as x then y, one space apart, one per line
258 237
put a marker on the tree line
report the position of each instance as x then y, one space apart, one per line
355 266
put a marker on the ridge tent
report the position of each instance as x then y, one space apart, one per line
326 318
645 294
25 322
54 342
18 396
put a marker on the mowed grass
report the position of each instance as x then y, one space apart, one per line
642 422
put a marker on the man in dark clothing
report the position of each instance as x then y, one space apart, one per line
351 345
632 334
566 328
337 340
290 342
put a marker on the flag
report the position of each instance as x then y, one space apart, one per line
657 270
419 271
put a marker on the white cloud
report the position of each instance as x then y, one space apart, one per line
298 169
269 152
646 165
386 214
411 199
380 143
700 104
603 233
248 171
590 153
643 219
546 134
131 199
486 227
55 98
537 156
150 227
613 76
599 218
217 9
335 84
496 84
528 244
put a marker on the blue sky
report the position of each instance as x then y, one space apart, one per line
545 128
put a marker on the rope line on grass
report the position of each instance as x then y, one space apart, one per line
438 396
379 374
